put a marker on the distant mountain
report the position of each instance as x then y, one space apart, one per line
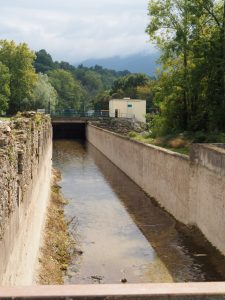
138 63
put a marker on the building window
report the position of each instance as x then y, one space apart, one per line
129 105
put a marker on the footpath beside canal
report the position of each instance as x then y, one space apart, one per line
190 188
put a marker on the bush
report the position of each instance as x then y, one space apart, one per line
157 126
221 138
132 134
216 137
200 137
208 137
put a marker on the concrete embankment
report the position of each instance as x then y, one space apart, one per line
191 188
25 174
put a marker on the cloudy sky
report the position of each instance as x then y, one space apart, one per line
75 30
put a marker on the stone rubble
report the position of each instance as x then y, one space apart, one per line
120 125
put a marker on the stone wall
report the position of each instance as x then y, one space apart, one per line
119 125
191 189
25 172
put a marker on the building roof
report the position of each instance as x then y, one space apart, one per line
128 100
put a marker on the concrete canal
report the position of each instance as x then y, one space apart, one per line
121 233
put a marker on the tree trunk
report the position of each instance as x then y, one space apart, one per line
221 71
185 100
185 104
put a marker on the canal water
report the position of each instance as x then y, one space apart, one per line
120 232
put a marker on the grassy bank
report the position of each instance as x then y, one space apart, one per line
55 254
5 119
176 143
181 142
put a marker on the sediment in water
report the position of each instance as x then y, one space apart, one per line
58 244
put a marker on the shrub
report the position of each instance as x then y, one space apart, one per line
132 134
158 126
200 137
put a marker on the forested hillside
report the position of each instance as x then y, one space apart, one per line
79 87
31 81
92 87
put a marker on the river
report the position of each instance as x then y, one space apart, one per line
120 232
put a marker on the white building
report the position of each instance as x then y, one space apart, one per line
128 108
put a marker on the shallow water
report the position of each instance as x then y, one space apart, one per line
121 232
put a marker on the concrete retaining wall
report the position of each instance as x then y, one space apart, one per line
191 189
25 174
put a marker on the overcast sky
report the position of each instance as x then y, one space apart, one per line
75 30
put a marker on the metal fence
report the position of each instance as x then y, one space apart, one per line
121 115
70 113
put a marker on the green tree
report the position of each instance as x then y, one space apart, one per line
19 60
127 86
101 101
171 27
43 62
94 81
44 95
70 92
214 40
145 92
4 87
190 86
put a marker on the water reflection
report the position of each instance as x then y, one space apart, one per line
121 232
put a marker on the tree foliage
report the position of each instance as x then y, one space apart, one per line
102 100
70 92
19 61
92 81
190 86
43 62
127 86
4 87
44 95
135 86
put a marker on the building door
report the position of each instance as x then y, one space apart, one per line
116 113
130 110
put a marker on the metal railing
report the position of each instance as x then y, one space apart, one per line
121 115
79 114
70 113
